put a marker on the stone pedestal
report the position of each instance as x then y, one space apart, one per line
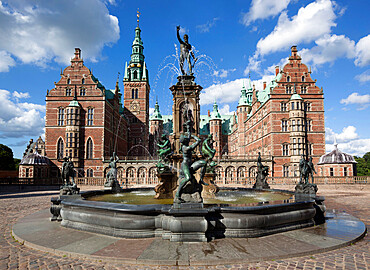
55 209
166 187
185 101
114 187
210 190
261 185
69 190
186 222
307 189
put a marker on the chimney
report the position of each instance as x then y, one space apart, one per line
277 70
77 53
209 113
294 50
264 85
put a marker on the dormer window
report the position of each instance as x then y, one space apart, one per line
68 81
302 78
83 81
288 79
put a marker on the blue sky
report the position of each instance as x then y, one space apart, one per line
232 38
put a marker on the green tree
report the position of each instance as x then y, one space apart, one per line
363 164
6 158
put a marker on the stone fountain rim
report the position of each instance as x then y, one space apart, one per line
80 201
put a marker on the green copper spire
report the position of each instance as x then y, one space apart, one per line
244 101
156 115
135 70
215 113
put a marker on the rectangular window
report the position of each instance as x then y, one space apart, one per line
288 89
303 89
285 171
285 150
82 92
283 106
345 171
308 125
68 92
331 172
90 116
293 125
284 125
61 117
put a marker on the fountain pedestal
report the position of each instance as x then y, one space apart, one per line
167 185
186 222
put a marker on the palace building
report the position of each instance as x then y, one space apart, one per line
87 122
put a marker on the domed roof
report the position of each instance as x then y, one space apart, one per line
336 157
35 159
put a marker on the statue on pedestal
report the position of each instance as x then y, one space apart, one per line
185 53
208 152
68 173
167 180
262 173
111 177
190 189
306 168
164 152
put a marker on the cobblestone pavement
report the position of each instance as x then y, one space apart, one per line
353 199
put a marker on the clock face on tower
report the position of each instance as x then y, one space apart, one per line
135 107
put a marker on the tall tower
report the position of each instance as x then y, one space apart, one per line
156 129
215 128
73 131
243 109
297 130
136 97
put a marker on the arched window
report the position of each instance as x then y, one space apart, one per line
68 81
288 79
89 149
141 175
153 179
136 93
89 172
83 81
135 74
60 149
218 179
240 175
302 78
229 177
130 175
133 93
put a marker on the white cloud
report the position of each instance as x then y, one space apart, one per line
225 110
223 93
355 98
204 28
363 77
41 31
230 91
254 64
262 9
151 111
20 119
6 61
348 141
347 134
363 52
328 49
19 95
223 73
310 23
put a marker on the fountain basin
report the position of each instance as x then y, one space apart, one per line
186 222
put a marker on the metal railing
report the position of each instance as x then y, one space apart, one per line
220 181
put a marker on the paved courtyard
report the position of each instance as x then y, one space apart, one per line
353 199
